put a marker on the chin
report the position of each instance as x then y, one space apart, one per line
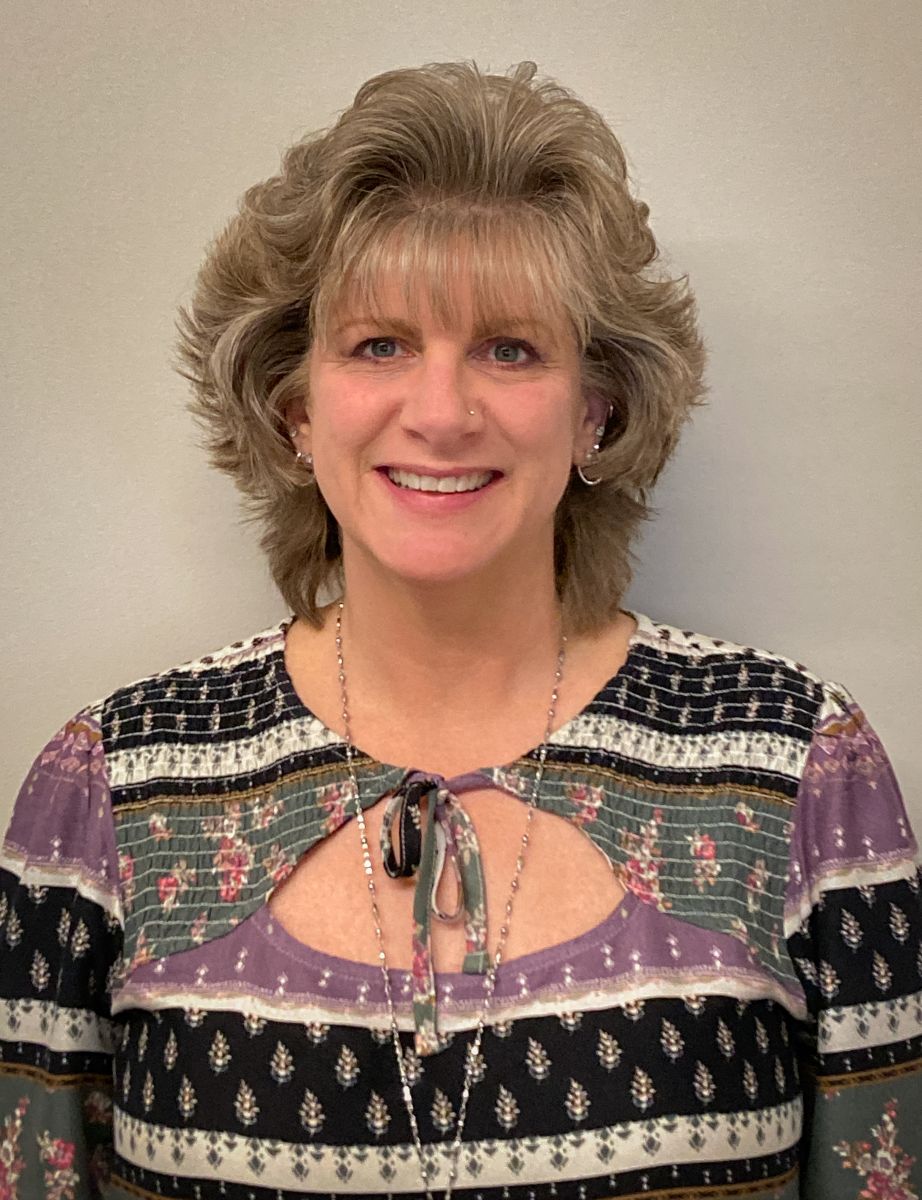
433 558
430 564
437 574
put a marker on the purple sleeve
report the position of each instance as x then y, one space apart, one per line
850 827
60 945
854 924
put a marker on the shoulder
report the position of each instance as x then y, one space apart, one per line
61 825
698 680
696 650
223 674
157 725
701 679
804 739
713 712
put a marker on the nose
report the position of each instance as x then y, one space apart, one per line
438 400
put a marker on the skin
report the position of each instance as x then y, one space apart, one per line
451 619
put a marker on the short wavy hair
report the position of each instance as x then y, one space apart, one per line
535 185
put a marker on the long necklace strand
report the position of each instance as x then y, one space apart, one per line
490 978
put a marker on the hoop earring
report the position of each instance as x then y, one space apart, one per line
599 434
587 482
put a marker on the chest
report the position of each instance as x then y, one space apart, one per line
566 886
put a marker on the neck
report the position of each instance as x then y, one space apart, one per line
468 645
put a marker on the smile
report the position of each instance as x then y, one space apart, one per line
443 483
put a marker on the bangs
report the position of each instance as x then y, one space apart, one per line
511 263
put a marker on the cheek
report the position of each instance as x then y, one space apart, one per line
547 431
344 422
545 456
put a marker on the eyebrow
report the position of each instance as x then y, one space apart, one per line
483 329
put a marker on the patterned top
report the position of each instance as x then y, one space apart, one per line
746 1023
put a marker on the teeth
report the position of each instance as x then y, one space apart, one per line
447 483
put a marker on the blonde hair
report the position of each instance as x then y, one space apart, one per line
534 185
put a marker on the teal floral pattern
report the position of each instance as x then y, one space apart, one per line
12 1163
882 1164
56 1155
641 870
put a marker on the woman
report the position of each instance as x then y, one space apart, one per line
275 927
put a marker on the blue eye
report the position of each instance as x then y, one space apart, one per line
508 350
504 352
388 345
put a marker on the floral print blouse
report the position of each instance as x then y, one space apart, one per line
746 1023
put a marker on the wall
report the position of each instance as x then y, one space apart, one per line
777 146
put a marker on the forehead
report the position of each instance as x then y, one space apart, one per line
457 283
457 310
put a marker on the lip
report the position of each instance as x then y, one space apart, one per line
438 472
436 503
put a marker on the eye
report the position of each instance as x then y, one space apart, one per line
512 352
376 348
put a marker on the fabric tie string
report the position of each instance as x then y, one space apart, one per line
449 840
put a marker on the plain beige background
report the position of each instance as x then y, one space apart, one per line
777 145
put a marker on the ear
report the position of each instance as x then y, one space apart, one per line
295 415
596 412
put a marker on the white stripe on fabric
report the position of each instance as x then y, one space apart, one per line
375 1170
72 875
65 1030
863 1026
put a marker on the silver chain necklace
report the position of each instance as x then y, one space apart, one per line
473 1054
